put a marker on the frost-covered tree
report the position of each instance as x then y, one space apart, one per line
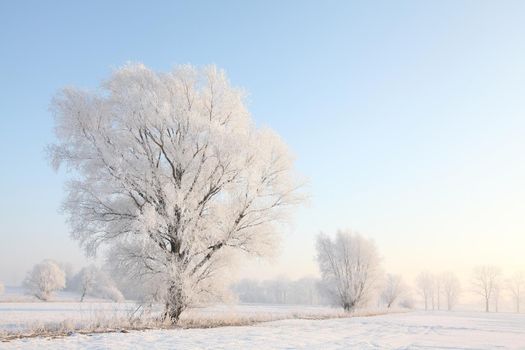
350 267
516 286
437 292
425 285
485 280
451 288
44 279
170 171
496 296
86 281
393 289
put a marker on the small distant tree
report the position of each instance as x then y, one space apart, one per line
278 289
1 288
437 291
95 282
249 291
304 291
68 271
516 285
111 292
451 288
484 281
44 279
393 290
349 266
86 280
425 285
496 296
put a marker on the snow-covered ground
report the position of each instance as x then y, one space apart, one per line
413 330
408 330
20 317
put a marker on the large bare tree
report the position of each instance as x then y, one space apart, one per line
169 170
350 267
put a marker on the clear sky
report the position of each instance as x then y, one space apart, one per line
407 117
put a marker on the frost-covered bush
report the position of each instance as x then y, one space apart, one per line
350 268
407 302
91 281
172 173
110 292
44 279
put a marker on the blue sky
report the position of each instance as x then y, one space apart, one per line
407 117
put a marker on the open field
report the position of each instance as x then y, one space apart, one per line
255 326
411 330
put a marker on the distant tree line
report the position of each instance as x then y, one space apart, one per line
351 277
281 290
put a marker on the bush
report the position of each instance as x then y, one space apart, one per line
44 279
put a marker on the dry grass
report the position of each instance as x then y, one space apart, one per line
69 327
196 320
108 323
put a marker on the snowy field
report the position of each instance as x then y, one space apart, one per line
412 330
20 317
404 330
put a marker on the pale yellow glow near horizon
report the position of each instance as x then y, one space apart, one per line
472 237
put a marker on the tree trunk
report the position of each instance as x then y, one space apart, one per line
175 304
348 306
486 305
173 313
